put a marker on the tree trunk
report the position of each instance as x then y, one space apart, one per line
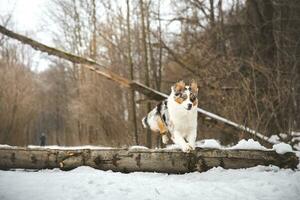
146 64
130 63
159 71
94 31
130 160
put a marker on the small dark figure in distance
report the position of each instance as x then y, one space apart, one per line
43 139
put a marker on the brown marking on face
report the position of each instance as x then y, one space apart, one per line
179 86
162 127
179 100
195 103
194 86
193 97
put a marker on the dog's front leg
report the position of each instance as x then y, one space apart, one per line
178 139
191 139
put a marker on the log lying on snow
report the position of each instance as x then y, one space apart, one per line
146 160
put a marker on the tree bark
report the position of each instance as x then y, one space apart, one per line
146 160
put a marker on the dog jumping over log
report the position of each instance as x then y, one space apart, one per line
176 115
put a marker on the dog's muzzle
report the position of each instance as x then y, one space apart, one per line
189 106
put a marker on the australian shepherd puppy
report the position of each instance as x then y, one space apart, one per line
176 115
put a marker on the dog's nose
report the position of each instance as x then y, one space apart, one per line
190 106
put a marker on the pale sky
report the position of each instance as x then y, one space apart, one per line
25 12
27 19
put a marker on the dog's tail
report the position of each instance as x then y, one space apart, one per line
145 122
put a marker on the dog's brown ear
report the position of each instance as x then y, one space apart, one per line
179 86
194 86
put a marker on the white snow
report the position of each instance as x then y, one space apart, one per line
215 144
274 139
248 144
4 146
298 155
206 143
267 183
72 147
295 139
283 135
282 148
69 147
209 143
138 147
58 147
172 146
295 134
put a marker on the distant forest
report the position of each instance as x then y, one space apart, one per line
244 55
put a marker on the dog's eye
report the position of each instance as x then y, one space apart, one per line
184 96
177 94
192 97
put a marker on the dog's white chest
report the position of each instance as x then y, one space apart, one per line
182 120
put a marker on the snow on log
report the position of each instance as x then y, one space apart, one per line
141 159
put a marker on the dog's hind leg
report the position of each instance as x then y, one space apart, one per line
162 127
165 138
163 131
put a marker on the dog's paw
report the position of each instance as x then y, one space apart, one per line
187 148
193 145
165 139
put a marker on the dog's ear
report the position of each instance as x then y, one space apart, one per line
194 86
179 86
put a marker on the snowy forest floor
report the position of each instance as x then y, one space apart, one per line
87 183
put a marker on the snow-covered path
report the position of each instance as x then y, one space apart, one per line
87 183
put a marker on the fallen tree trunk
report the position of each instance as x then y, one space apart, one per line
146 160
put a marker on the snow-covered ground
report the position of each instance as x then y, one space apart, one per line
87 183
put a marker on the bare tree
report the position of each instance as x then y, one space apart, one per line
145 61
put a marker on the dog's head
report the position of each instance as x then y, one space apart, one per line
185 95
